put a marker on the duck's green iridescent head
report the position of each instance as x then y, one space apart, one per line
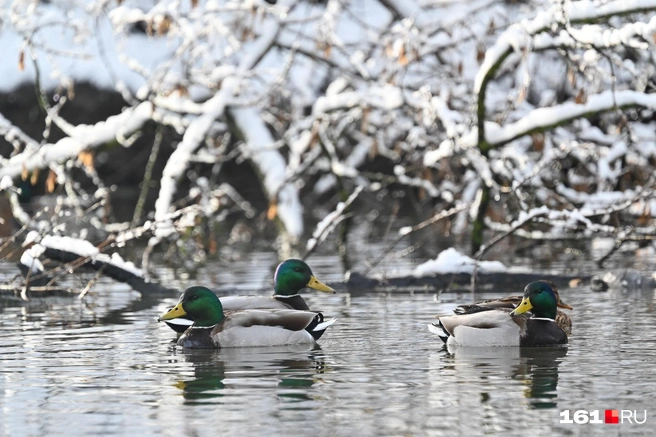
293 275
540 299
200 304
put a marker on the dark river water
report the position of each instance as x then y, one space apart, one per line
106 367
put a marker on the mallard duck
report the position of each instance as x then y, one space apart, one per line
291 277
511 302
212 328
505 327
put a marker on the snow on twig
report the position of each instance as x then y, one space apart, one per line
544 118
329 223
519 35
212 109
84 137
272 166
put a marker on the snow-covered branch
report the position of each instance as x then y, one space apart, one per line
500 106
326 226
520 36
271 165
212 109
542 119
84 137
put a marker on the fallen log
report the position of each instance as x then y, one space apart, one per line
505 281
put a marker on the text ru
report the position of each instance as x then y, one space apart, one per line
581 417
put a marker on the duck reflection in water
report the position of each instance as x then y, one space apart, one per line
292 370
539 369
536 367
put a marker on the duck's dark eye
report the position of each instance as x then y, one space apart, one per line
297 269
194 297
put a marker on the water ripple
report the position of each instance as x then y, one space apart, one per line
102 369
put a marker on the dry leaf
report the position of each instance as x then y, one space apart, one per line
212 244
365 119
389 50
86 158
538 141
326 50
272 211
51 182
182 90
70 92
645 217
621 125
581 98
194 3
427 174
35 176
403 59
480 53
246 34
373 150
571 77
164 25
21 61
460 68
421 194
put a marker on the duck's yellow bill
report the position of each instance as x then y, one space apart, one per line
318 285
173 313
524 305
561 304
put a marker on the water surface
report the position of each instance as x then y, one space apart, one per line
106 367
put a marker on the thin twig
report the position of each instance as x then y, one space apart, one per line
40 289
148 175
91 282
21 230
437 217
337 217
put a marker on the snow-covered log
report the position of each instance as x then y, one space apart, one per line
81 254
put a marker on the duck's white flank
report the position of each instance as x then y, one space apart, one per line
505 335
252 336
232 303
487 328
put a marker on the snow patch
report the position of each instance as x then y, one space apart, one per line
452 261
6 182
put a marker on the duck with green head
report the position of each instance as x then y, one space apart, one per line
212 328
290 278
505 327
511 302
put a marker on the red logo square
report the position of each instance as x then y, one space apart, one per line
612 416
